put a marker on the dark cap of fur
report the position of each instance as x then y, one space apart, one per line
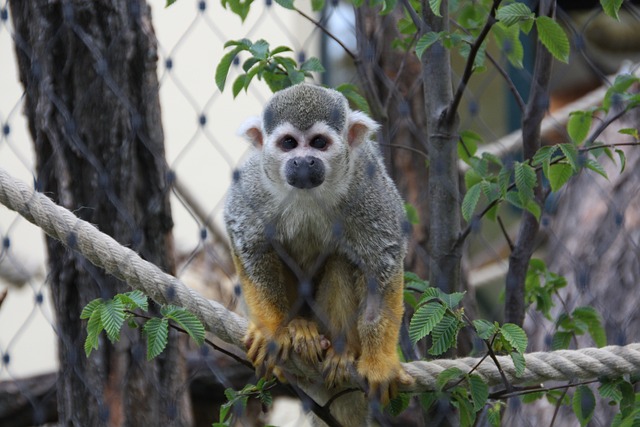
303 105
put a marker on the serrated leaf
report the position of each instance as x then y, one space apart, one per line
287 4
513 198
571 153
399 404
451 300
470 201
484 328
611 7
561 340
578 126
620 85
157 332
112 316
544 155
490 190
518 362
425 319
553 37
88 309
559 174
479 391
526 180
468 144
444 335
415 281
471 178
504 179
187 321
595 166
447 376
584 404
593 320
494 415
94 327
312 64
425 42
133 300
514 13
435 7
516 336
609 390
508 39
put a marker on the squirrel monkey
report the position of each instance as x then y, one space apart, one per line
318 234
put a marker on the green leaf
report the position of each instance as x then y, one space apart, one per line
350 92
260 49
630 131
312 64
447 376
494 414
571 153
479 391
239 84
515 336
317 5
412 214
424 320
553 37
90 308
169 3
584 404
451 300
514 13
444 335
559 174
518 362
623 159
112 318
561 340
578 126
435 7
399 404
222 70
609 390
425 42
287 4
526 180
157 332
388 6
280 49
468 145
533 208
620 85
133 300
595 166
484 328
94 327
593 320
508 39
413 280
470 201
187 321
471 178
611 7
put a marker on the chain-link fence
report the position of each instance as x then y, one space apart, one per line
83 121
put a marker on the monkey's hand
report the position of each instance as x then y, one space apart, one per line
306 340
338 367
383 377
266 350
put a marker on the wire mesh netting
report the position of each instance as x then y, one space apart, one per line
112 110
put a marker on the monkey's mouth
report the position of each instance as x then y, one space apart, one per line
304 172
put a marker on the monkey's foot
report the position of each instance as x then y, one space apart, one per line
337 367
383 377
306 340
265 351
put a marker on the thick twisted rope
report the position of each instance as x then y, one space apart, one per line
125 264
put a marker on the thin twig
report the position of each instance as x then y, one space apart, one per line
504 232
468 69
405 147
327 32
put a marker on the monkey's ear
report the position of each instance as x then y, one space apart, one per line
251 130
360 128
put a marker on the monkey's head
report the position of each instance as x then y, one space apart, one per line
306 137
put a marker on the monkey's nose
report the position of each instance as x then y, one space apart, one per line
304 172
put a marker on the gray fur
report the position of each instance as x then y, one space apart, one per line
303 105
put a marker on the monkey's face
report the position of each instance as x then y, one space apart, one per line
294 159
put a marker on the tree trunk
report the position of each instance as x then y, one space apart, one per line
89 72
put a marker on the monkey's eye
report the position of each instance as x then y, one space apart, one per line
288 143
318 142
